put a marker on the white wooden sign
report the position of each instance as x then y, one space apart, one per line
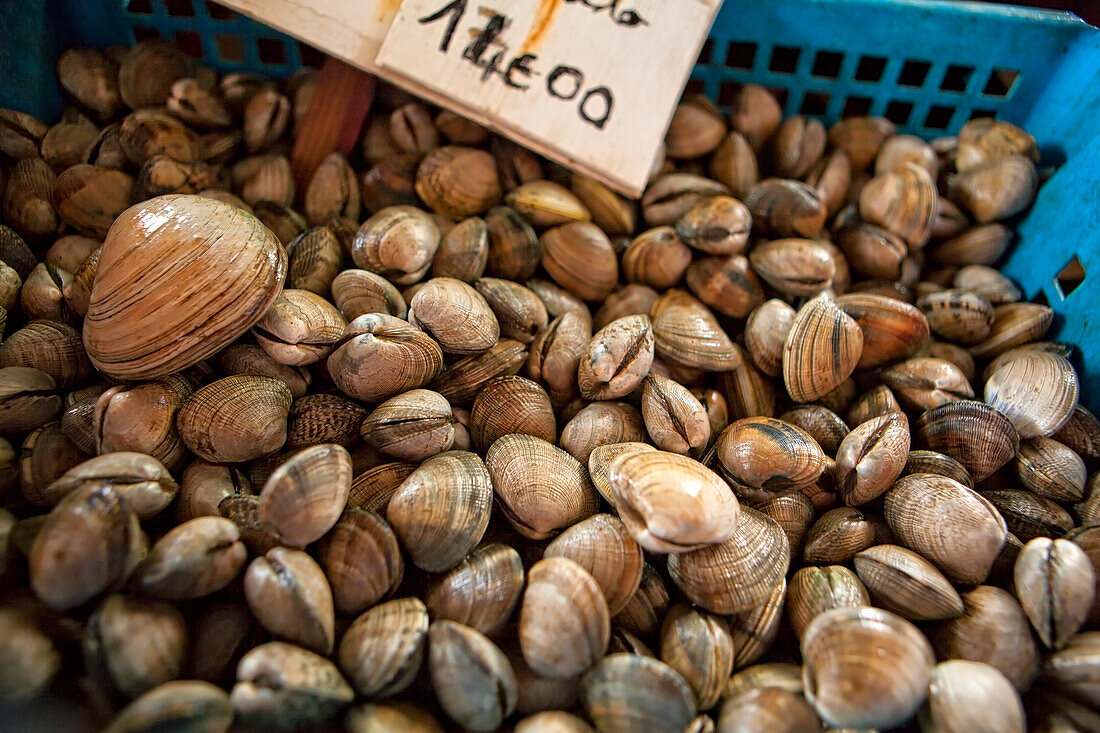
591 84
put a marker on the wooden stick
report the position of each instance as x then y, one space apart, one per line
334 119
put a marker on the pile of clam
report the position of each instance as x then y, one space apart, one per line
449 437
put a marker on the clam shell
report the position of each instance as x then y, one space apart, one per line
642 614
671 503
564 624
765 331
871 457
472 678
995 189
289 594
463 252
300 328
382 650
481 591
359 292
973 433
617 358
1056 584
822 349
656 258
441 510
579 257
305 496
799 267
892 330
540 488
519 311
1037 391
698 646
412 426
628 692
902 201
235 419
361 559
960 689
814 590
455 315
954 527
837 536
381 357
167 249
770 455
686 333
842 646
458 182
602 546
784 208
738 574
905 583
754 631
547 204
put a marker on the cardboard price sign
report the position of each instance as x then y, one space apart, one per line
591 84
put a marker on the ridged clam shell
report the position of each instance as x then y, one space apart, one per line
1037 391
629 692
564 624
481 591
892 330
973 433
905 583
739 573
361 559
305 496
902 201
381 356
167 250
235 419
382 650
687 333
822 349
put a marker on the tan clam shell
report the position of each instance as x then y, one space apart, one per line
455 315
726 284
1056 584
472 679
999 290
865 667
481 591
556 353
738 574
799 267
142 480
49 346
785 208
674 418
954 527
734 164
973 433
699 646
304 497
458 182
381 357
372 489
1051 469
765 331
671 503
547 204
717 226
552 721
861 138
333 191
579 257
89 198
929 461
656 258
283 684
511 404
382 650
629 692
617 358
602 546
167 249
235 419
1037 391
382 718
686 333
924 382
519 311
815 590
905 583
290 596
514 250
602 456
1028 515
837 536
892 330
754 631
398 242
251 359
464 251
361 559
359 292
315 258
441 510
412 426
564 624
984 244
903 201
966 695
464 377
994 630
770 455
300 328
642 614
995 189
540 488
822 349
612 213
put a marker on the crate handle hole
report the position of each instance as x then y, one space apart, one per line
913 73
706 52
180 8
219 12
140 7
1070 277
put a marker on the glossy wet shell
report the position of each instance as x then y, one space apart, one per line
902 581
168 249
770 454
235 419
441 510
628 692
822 349
305 496
481 591
564 623
973 433
1037 391
671 503
382 650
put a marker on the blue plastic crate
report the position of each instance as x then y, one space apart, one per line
927 65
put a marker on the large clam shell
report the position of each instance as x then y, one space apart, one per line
564 624
973 433
1036 390
169 251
